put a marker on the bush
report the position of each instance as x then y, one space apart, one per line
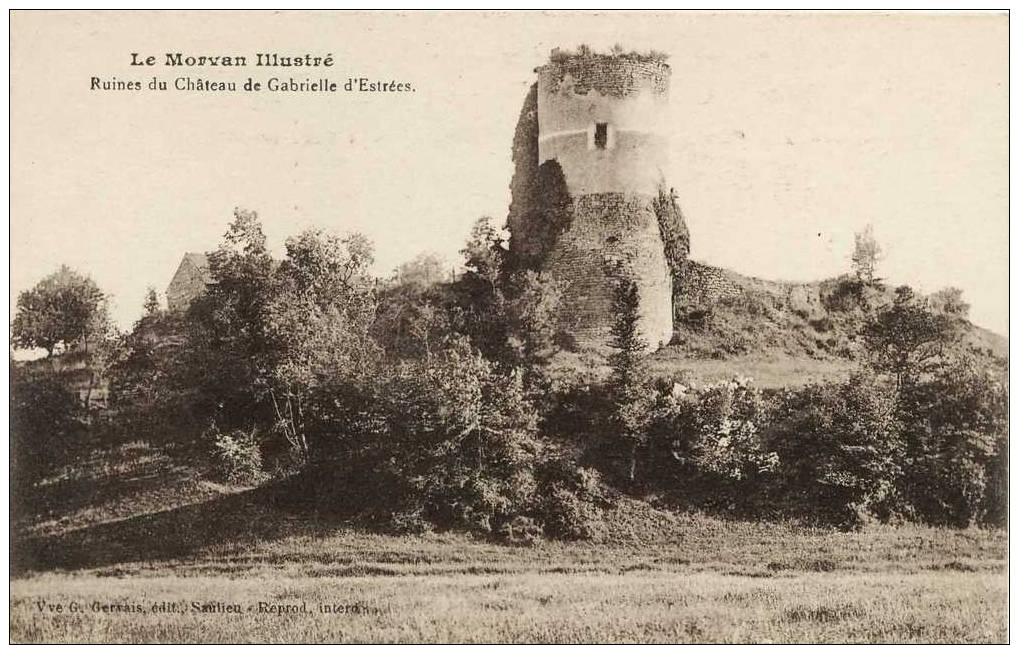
410 522
521 530
956 432
462 439
569 499
709 444
840 448
44 414
568 516
238 458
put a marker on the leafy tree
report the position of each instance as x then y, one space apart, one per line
866 255
425 270
715 436
65 308
906 336
463 438
480 295
414 309
412 321
949 302
533 309
229 350
319 318
509 314
150 370
44 412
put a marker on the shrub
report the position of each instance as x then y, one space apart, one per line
238 458
462 438
956 433
709 443
848 294
521 530
410 522
44 413
726 419
840 449
569 499
568 516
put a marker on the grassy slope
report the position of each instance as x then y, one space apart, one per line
780 334
654 575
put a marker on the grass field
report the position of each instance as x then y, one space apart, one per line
119 546
674 578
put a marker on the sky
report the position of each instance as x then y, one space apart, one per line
790 133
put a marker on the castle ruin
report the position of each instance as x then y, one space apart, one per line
590 203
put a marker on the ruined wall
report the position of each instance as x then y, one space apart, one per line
700 285
188 283
630 97
611 236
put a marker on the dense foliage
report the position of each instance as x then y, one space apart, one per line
441 398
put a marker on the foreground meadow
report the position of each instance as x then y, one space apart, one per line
657 577
132 545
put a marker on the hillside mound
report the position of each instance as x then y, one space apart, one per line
778 333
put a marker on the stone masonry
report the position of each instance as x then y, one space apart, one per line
599 123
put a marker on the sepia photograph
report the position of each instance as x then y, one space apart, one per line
508 326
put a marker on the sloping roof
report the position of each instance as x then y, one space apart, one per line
200 260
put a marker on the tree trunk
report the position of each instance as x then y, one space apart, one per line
633 462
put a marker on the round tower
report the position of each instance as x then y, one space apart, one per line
601 123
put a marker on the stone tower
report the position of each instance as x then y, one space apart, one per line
590 203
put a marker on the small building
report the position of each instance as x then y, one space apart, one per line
189 282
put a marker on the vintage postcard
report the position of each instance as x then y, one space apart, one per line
565 326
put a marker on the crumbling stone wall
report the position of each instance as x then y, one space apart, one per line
612 236
617 76
700 285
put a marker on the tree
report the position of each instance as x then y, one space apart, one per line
866 254
533 310
904 337
64 309
421 272
949 302
715 436
319 319
480 295
228 347
151 302
462 438
632 393
44 412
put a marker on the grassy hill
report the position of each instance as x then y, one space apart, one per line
781 333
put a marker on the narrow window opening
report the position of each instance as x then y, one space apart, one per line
601 135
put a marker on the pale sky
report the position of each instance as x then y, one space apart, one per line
790 133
